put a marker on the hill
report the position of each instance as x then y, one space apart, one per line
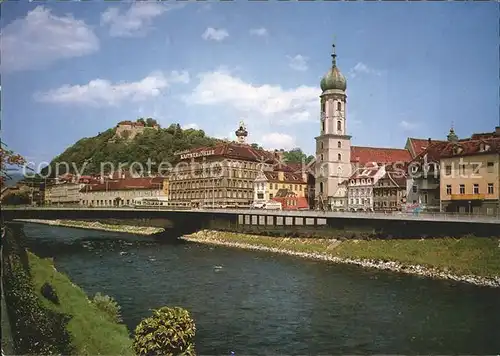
159 145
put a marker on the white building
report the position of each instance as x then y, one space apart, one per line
360 187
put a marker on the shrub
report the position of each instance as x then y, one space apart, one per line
108 305
49 293
170 331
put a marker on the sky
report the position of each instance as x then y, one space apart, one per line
71 70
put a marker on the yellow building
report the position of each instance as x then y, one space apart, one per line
267 184
470 176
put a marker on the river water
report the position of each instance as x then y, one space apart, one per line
259 303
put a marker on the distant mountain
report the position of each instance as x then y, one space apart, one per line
14 179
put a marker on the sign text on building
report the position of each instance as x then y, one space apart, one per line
198 154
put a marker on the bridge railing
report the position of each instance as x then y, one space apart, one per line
436 216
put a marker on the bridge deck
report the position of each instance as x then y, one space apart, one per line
303 213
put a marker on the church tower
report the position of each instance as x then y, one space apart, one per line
333 145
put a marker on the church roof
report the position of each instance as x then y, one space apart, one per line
333 79
363 155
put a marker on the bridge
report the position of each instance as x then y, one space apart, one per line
256 220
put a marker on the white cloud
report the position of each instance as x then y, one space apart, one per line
361 68
298 62
259 31
281 106
101 92
41 38
136 21
179 77
406 125
215 34
191 126
276 140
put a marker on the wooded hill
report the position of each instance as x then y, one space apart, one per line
158 145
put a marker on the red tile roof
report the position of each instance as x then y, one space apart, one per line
235 151
471 147
126 184
301 202
364 155
418 145
365 172
397 179
288 177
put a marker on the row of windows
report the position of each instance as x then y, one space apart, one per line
474 168
360 181
339 145
385 193
211 183
216 194
339 157
475 189
214 173
361 191
276 186
323 106
358 201
339 126
385 204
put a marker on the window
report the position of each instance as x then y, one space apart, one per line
322 145
322 126
448 170
270 196
425 199
414 188
490 188
321 157
448 189
475 168
462 189
462 169
339 144
476 188
339 106
339 157
321 187
323 107
490 166
339 125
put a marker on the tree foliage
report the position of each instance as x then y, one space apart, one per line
108 305
9 161
297 156
170 331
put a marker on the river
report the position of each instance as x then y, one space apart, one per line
259 303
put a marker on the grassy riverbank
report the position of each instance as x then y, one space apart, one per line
95 225
92 331
469 256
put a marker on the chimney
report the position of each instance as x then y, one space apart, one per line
281 176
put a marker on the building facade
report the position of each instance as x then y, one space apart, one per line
63 193
120 192
220 176
269 183
389 193
360 187
470 176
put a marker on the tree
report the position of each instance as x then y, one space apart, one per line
10 161
170 331
150 122
141 120
297 156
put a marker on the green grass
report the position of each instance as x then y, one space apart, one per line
92 331
468 255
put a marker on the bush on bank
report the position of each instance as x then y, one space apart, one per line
170 331
109 306
36 330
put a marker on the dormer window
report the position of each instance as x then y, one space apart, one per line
457 150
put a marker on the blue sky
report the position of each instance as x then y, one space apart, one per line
71 70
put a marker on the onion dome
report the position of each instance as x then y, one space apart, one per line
333 79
